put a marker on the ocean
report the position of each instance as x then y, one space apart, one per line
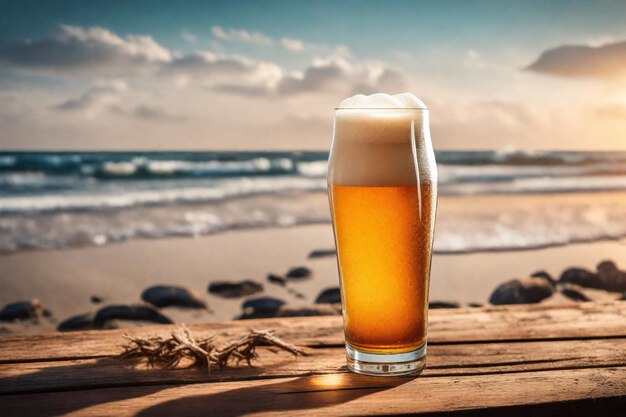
56 200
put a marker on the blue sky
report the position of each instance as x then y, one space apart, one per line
458 55
433 21
366 26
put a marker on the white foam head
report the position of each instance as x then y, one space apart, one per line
382 101
378 139
379 118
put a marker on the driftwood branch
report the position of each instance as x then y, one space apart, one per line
181 346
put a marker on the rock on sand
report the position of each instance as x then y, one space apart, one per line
299 272
23 310
612 278
329 296
235 289
172 296
582 277
133 312
104 317
79 322
529 290
262 307
276 279
443 304
544 275
574 294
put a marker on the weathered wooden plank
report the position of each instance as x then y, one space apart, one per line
510 323
340 395
455 359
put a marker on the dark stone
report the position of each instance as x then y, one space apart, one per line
133 312
443 304
329 296
172 296
276 279
320 253
582 277
235 289
296 293
536 289
260 308
256 315
308 311
300 272
263 304
575 295
23 310
612 278
96 299
526 291
544 275
623 297
80 322
509 292
474 305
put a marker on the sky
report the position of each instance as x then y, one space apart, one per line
266 75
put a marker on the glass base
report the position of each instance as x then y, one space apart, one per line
393 364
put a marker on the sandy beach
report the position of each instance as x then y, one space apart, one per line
65 280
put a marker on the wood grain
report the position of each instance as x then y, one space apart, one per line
345 394
515 361
461 359
464 325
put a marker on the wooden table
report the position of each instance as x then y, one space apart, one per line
518 360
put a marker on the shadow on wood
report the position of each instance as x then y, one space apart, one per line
317 391
321 390
613 406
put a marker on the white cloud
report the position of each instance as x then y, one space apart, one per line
98 52
241 35
195 99
600 40
342 75
607 61
110 97
103 96
91 51
213 69
293 45
188 36
240 75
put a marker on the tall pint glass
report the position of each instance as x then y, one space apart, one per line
382 180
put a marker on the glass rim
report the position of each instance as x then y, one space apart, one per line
383 108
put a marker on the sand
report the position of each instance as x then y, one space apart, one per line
65 280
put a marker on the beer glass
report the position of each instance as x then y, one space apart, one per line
382 182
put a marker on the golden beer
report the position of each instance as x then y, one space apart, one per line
383 192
